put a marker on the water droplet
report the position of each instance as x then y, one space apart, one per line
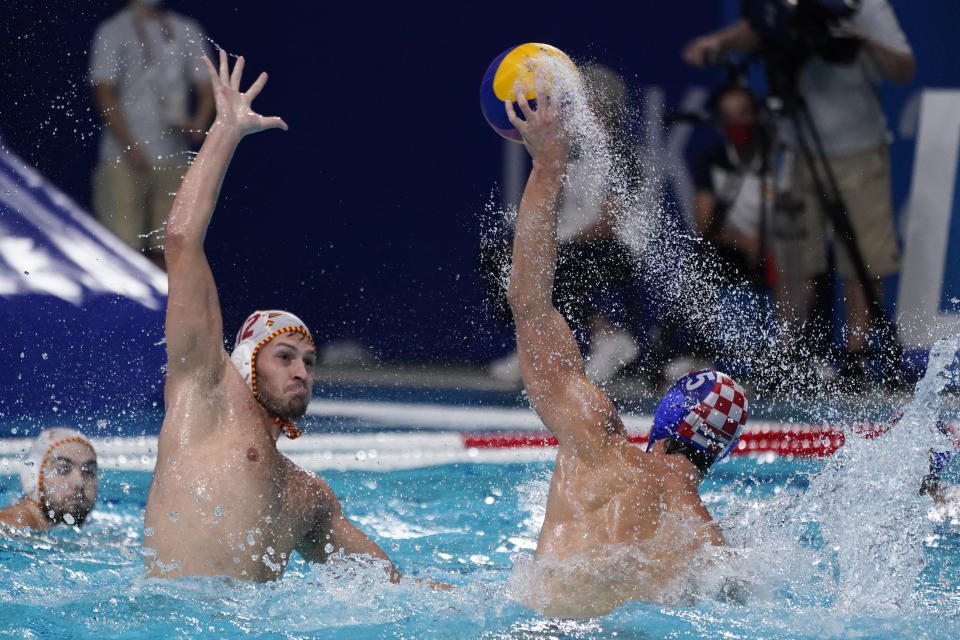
174 516
328 548
68 518
218 511
148 531
250 539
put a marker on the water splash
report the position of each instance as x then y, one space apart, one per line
854 538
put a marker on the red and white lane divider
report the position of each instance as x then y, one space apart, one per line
766 438
504 428
390 436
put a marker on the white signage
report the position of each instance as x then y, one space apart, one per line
920 317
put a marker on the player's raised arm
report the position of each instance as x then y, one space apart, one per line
575 410
194 326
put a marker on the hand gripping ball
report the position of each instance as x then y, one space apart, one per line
519 63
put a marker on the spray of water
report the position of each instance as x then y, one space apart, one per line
690 289
854 539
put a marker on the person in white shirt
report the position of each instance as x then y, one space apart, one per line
144 63
848 118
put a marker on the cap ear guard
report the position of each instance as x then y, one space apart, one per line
670 412
241 358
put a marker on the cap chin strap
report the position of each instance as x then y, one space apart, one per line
289 429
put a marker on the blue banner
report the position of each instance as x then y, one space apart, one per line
82 313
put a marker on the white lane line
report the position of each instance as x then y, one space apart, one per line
448 417
317 452
464 418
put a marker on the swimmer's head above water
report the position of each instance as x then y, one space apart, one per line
59 474
701 416
275 354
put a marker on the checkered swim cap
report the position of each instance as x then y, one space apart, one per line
706 409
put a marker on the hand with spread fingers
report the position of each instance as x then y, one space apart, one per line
233 107
542 128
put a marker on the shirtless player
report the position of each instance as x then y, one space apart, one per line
224 501
621 523
59 479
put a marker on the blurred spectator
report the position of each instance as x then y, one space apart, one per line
733 178
591 227
143 63
734 187
843 104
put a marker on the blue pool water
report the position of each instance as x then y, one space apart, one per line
838 548
474 526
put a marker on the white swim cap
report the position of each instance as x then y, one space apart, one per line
31 473
257 330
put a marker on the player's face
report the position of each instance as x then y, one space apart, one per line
70 483
285 372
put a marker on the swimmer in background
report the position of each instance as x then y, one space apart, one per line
621 523
930 485
223 500
59 479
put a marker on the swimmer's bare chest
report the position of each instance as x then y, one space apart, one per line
230 506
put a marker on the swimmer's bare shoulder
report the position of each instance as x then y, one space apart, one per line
20 516
205 403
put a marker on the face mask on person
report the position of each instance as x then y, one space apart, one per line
740 134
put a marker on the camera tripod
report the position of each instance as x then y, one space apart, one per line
831 198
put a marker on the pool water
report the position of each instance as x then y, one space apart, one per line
842 547
474 526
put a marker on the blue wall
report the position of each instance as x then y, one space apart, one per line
365 217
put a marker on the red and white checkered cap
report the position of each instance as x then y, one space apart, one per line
716 422
706 409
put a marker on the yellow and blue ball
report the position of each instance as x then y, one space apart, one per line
517 63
